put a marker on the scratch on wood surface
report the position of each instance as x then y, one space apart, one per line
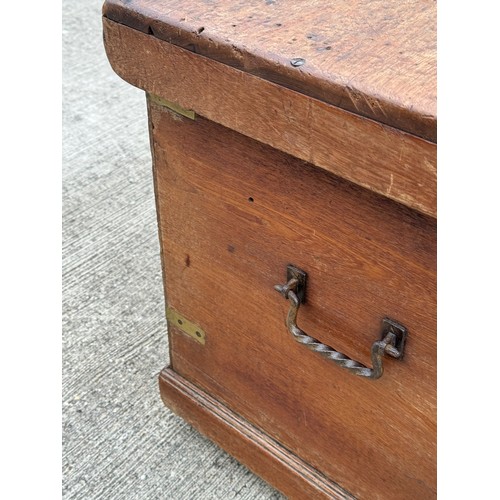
401 151
309 133
390 185
285 108
368 102
382 109
430 166
353 96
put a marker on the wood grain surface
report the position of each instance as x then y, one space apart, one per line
378 157
376 58
264 456
233 213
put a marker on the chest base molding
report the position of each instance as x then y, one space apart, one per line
250 446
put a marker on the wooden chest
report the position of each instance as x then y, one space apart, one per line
294 160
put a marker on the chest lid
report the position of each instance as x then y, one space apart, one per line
371 58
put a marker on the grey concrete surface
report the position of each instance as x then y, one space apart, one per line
119 441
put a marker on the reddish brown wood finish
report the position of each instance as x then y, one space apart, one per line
376 58
383 159
285 183
263 455
233 213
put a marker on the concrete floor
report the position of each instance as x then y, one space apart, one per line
120 442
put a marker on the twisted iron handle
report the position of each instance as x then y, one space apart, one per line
392 342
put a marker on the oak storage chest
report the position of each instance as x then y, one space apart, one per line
294 161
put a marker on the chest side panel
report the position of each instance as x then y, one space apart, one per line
233 213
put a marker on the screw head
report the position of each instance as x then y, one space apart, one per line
297 61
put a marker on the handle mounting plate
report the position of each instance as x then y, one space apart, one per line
391 326
301 276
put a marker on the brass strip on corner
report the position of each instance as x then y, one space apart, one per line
188 113
186 326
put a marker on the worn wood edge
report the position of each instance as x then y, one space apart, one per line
387 161
309 82
157 210
250 446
